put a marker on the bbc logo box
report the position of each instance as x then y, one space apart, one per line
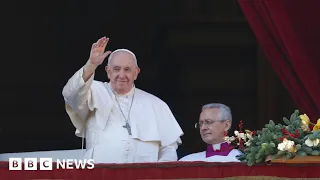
30 164
47 163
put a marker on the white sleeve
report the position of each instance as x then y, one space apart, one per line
168 153
76 94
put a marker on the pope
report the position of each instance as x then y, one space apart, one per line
120 122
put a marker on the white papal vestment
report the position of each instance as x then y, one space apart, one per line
94 112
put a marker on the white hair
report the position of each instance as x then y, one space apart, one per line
224 113
123 50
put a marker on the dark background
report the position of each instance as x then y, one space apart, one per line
190 52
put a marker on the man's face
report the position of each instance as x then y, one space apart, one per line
211 128
122 72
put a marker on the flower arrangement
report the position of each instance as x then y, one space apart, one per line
296 136
241 139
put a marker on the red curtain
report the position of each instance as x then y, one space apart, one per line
289 34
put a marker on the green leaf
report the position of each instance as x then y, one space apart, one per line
280 153
286 121
272 145
257 156
268 126
316 133
306 149
268 151
291 155
272 123
274 151
301 153
315 153
275 137
311 137
287 155
259 160
251 162
297 124
278 126
294 116
247 151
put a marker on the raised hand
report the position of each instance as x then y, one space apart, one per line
97 54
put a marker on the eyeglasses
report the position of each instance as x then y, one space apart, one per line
207 123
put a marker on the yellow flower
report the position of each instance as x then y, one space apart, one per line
305 127
304 119
293 149
317 126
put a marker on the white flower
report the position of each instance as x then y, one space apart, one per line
240 135
312 143
229 139
247 143
285 145
281 146
249 136
232 138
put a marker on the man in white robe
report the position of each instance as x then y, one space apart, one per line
121 123
214 123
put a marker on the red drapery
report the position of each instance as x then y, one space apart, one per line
289 34
173 170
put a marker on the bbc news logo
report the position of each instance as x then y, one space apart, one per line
47 164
